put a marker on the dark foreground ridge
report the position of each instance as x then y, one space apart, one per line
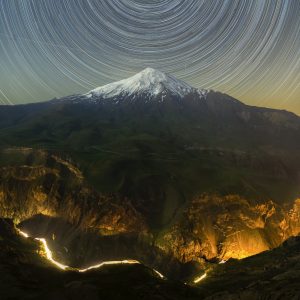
26 275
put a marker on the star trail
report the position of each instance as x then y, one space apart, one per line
249 49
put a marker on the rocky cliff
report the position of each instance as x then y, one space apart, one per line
26 275
214 227
209 228
47 196
38 182
269 275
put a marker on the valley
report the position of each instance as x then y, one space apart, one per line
151 170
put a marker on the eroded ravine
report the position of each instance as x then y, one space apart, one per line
49 256
211 228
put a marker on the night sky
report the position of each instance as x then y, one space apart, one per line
249 49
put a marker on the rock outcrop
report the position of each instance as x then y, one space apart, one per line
26 275
269 275
214 227
210 228
43 183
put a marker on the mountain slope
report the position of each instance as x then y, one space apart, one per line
149 81
202 170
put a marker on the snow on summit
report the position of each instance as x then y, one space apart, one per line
149 81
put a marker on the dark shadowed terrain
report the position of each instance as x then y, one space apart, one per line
178 183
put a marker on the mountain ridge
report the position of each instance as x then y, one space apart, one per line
165 161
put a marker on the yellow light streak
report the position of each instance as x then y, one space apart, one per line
159 274
112 262
24 234
49 256
48 252
198 279
223 261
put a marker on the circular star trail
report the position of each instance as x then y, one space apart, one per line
247 48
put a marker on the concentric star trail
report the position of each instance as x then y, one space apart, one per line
249 49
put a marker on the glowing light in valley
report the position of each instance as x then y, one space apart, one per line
24 234
223 261
112 262
159 274
49 256
198 279
48 252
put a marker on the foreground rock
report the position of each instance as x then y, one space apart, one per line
27 275
270 275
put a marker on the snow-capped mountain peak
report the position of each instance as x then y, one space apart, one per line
150 81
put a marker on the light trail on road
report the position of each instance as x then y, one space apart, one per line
49 256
